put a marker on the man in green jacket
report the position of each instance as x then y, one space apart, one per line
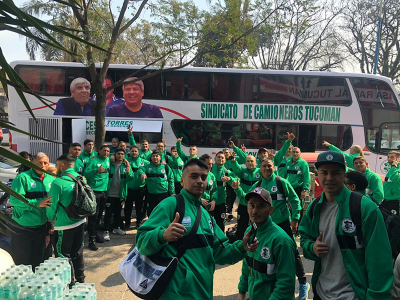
120 174
70 231
281 194
144 152
88 152
270 272
248 177
193 277
136 189
391 187
297 173
27 246
183 155
75 149
348 264
355 151
159 180
375 185
176 165
97 175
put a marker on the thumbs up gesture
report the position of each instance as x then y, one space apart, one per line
320 248
174 231
235 184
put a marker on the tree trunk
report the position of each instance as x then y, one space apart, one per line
100 131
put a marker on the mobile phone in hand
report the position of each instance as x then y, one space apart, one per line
253 232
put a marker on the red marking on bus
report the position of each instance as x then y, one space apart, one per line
40 107
174 112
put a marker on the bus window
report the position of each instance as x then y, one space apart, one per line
42 80
31 77
234 87
390 136
282 134
153 84
198 86
55 81
304 89
338 135
374 93
175 86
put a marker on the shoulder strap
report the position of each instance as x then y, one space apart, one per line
259 183
312 208
70 176
75 196
355 213
180 207
280 186
166 170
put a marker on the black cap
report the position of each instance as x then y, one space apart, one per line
263 193
331 157
155 152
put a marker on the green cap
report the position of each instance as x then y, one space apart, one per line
331 157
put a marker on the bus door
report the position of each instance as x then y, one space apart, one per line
307 137
388 139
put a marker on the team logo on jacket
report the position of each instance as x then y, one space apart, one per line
348 225
142 164
181 163
245 174
394 212
33 184
265 253
163 171
211 225
288 167
296 167
50 185
108 164
211 182
258 175
149 169
329 157
274 189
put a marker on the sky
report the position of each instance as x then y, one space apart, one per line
13 46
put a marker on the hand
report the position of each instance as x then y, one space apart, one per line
128 167
212 206
144 177
325 143
231 144
253 247
241 297
204 202
225 179
395 163
303 195
235 184
130 130
179 140
101 169
164 142
174 231
112 158
291 136
45 202
243 147
294 225
320 248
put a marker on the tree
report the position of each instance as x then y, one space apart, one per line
361 35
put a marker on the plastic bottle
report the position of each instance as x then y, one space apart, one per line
22 291
59 284
30 293
47 290
40 295
6 288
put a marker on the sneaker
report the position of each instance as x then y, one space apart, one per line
106 236
99 239
119 231
303 291
93 246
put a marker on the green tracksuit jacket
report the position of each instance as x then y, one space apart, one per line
221 186
349 157
136 182
158 181
193 278
210 193
391 187
247 179
125 178
79 166
269 273
298 174
375 185
143 154
97 181
370 268
182 154
62 191
176 165
281 210
282 166
277 158
85 158
29 185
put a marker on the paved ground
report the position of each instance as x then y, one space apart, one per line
102 269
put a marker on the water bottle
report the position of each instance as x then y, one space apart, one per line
94 295
30 293
6 287
47 290
22 291
59 284
53 286
40 295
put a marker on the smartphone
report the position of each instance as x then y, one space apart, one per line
253 232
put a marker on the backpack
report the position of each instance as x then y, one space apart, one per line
392 221
83 203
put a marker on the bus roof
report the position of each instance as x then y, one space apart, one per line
201 69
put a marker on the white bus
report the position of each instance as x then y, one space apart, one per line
209 106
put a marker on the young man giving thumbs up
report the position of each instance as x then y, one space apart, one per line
193 278
351 261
